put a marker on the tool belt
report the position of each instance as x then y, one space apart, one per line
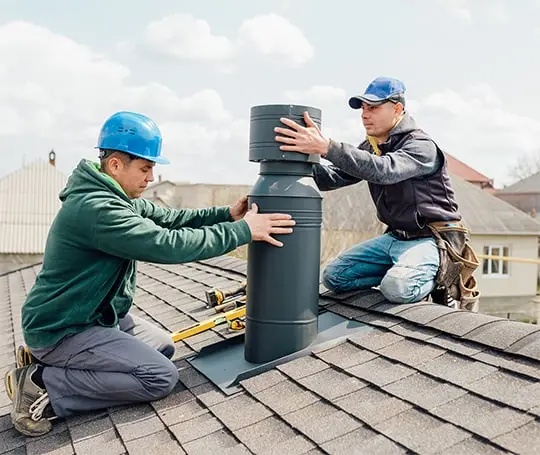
458 262
410 235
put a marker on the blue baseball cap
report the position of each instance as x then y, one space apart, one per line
379 91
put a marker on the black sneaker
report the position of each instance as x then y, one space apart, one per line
441 296
29 403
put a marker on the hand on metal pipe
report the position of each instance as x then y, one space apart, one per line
239 209
262 225
303 139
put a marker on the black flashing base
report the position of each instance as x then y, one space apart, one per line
224 364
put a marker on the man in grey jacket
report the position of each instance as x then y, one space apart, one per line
409 183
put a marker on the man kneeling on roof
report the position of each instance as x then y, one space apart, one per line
425 248
87 351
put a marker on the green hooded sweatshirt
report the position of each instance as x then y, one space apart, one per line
89 269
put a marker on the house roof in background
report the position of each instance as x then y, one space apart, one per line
28 204
464 171
194 195
485 213
424 379
530 184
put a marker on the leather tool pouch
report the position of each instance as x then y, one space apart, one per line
458 261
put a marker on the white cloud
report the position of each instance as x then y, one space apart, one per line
56 93
185 38
318 94
203 106
473 125
497 11
274 35
467 10
459 8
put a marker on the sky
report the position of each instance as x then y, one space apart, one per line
471 68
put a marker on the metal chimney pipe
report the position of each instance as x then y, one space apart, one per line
283 283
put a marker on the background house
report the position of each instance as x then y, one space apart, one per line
524 195
28 204
467 173
497 228
183 194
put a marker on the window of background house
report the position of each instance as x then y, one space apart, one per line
495 266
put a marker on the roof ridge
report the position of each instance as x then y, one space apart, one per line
31 165
20 269
515 338
226 263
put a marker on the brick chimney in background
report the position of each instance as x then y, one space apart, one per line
52 158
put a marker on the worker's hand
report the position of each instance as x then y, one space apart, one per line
308 140
239 209
262 225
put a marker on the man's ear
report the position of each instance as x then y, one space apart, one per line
115 164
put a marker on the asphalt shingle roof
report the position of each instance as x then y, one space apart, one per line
530 184
426 379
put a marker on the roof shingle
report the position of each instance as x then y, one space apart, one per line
422 379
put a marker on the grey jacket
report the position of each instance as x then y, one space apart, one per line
408 182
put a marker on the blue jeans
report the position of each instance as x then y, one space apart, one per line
404 270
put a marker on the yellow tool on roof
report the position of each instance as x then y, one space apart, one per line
230 305
216 297
237 325
209 323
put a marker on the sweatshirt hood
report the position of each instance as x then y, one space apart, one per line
88 178
405 125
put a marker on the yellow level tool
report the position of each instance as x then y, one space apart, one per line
209 323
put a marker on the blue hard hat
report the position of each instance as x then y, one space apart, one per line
380 90
132 133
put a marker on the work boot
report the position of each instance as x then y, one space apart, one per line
11 379
24 357
29 402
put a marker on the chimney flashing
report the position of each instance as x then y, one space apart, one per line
224 364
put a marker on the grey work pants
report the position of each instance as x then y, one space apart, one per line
102 367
